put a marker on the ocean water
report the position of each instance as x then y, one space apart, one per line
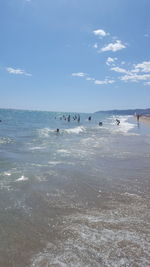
79 197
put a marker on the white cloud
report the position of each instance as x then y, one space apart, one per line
100 33
99 82
95 45
90 79
79 74
139 72
134 71
135 77
120 70
147 83
110 60
113 46
17 71
143 67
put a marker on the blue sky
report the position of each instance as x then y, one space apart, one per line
74 55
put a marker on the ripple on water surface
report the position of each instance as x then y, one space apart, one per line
109 238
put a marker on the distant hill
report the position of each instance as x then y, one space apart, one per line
127 111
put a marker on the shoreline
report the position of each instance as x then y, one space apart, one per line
145 120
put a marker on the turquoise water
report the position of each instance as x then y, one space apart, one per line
75 198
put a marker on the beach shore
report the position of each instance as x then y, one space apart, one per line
145 119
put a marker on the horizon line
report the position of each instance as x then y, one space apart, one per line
38 110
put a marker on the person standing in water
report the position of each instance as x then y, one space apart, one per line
138 117
78 118
69 118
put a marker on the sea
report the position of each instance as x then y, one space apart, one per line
77 197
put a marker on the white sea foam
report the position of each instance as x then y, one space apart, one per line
64 151
131 195
37 148
7 173
55 162
45 132
75 130
101 239
94 142
124 126
131 134
6 140
22 178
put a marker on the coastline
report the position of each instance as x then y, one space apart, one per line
145 120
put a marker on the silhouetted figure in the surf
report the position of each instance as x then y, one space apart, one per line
78 118
89 118
74 117
138 117
69 118
100 123
118 121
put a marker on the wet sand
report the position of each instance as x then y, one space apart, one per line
73 221
145 119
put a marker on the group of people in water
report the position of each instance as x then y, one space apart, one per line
68 118
77 118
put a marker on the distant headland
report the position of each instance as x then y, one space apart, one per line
127 111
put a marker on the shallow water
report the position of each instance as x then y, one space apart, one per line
75 198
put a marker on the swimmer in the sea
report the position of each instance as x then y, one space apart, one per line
100 123
57 130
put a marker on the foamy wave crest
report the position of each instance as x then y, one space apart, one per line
37 148
6 140
7 173
55 162
124 126
22 178
45 132
64 151
75 130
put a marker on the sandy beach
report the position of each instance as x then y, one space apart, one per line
145 119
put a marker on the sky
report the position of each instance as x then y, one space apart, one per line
74 55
